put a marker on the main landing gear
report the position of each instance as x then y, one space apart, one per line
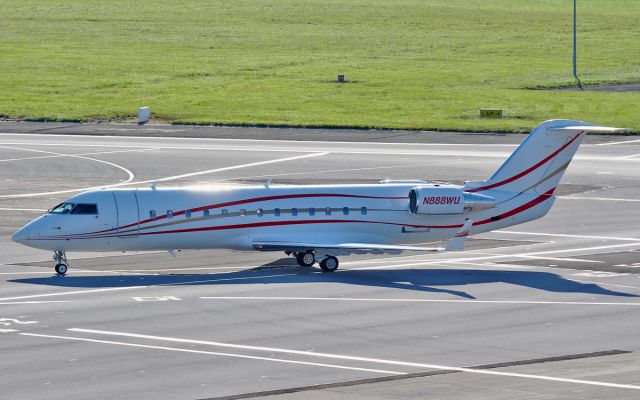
61 262
308 258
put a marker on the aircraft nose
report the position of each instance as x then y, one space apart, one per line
22 235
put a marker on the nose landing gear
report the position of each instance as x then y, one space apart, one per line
61 262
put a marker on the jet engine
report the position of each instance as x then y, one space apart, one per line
446 200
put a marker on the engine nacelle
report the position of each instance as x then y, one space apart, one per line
446 200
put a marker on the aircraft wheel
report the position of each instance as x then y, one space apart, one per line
306 259
329 264
61 269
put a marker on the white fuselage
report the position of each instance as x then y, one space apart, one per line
238 217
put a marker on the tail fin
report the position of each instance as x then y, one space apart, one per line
540 161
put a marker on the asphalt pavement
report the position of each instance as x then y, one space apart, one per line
549 309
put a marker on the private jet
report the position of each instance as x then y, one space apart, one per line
314 223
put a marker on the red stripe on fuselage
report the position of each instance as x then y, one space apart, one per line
526 171
507 214
519 209
245 201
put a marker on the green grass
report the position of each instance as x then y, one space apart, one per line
418 64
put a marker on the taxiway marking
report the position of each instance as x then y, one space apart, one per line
600 199
356 299
210 171
612 246
34 296
329 147
16 196
566 235
141 286
14 303
76 155
620 142
233 355
356 358
23 209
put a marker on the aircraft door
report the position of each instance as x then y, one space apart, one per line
128 214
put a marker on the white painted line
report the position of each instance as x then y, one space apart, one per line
47 272
613 246
329 171
141 287
247 141
191 269
210 171
130 181
372 149
14 303
23 209
157 298
15 196
629 157
621 142
425 263
567 235
600 199
356 299
35 296
76 155
557 259
360 359
162 147
212 353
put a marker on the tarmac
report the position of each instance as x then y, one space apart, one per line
545 310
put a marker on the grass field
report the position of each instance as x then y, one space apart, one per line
419 64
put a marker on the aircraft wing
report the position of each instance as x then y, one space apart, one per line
343 248
457 243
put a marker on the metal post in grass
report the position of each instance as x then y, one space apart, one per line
575 45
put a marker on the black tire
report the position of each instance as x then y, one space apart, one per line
329 264
306 259
61 269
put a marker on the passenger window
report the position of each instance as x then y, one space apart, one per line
225 213
205 213
169 213
363 210
327 210
276 212
260 212
243 212
187 214
312 211
85 209
294 211
152 213
345 210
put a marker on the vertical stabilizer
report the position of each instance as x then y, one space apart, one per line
540 161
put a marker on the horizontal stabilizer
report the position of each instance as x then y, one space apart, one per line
588 128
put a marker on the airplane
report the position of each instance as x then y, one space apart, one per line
314 223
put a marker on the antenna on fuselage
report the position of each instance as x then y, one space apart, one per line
153 185
268 183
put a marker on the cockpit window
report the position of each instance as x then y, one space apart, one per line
85 209
71 208
62 208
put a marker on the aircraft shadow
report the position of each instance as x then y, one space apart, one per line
421 280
